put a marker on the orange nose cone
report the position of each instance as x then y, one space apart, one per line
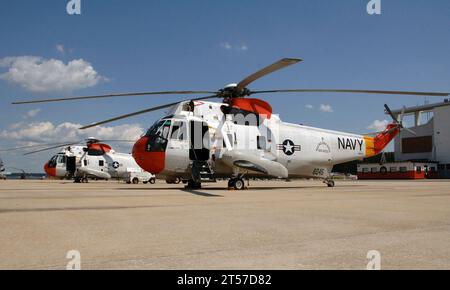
152 162
50 171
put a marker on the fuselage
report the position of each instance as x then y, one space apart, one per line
233 140
96 160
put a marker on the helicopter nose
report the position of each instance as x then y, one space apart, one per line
50 171
152 162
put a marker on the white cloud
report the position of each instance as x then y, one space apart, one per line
31 113
37 74
60 48
47 132
229 46
378 125
309 107
226 45
326 108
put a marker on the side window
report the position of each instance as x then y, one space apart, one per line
230 138
179 131
262 144
62 159
101 163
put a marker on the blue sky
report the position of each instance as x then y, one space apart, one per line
161 45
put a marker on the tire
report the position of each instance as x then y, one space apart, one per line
330 183
177 180
239 184
231 183
152 181
135 180
144 182
128 182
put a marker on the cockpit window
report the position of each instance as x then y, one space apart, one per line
158 135
52 162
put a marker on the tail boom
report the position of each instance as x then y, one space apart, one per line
375 145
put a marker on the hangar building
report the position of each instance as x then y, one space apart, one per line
428 149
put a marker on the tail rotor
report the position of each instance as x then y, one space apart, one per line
399 124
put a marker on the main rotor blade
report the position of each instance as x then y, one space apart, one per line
113 95
113 140
27 147
429 94
52 147
267 70
144 111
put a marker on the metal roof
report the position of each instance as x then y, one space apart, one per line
428 107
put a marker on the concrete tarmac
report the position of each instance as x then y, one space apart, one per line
272 225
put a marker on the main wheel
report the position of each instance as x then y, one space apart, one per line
152 181
239 184
135 180
330 183
231 183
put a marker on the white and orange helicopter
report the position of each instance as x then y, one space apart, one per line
2 170
95 159
199 141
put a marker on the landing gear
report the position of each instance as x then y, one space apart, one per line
175 180
191 184
329 182
135 180
236 183
152 180
80 180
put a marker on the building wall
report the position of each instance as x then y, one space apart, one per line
423 130
442 134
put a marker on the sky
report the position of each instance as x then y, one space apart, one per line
143 45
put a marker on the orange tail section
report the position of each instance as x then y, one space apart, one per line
374 145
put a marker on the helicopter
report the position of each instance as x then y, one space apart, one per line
96 160
2 170
200 140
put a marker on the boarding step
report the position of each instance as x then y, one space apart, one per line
202 172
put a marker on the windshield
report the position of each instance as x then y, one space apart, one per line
158 135
52 161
